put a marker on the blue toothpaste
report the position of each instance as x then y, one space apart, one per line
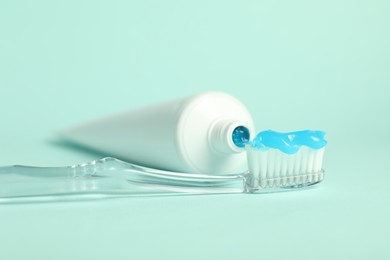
289 142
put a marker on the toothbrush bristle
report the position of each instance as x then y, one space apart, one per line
273 168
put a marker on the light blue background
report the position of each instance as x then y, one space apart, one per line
295 64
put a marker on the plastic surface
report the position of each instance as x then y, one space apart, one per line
192 134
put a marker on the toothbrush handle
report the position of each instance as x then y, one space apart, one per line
110 177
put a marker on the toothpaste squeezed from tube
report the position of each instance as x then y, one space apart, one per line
288 142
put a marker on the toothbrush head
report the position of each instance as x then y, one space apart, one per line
285 160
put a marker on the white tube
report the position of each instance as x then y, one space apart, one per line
192 134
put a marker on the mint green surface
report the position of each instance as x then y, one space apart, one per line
295 64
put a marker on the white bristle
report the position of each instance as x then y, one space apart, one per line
254 163
273 168
283 168
310 163
263 168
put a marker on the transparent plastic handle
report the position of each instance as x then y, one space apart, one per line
110 176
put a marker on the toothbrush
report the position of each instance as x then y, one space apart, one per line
270 170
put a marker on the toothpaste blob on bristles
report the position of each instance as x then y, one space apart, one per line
290 142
